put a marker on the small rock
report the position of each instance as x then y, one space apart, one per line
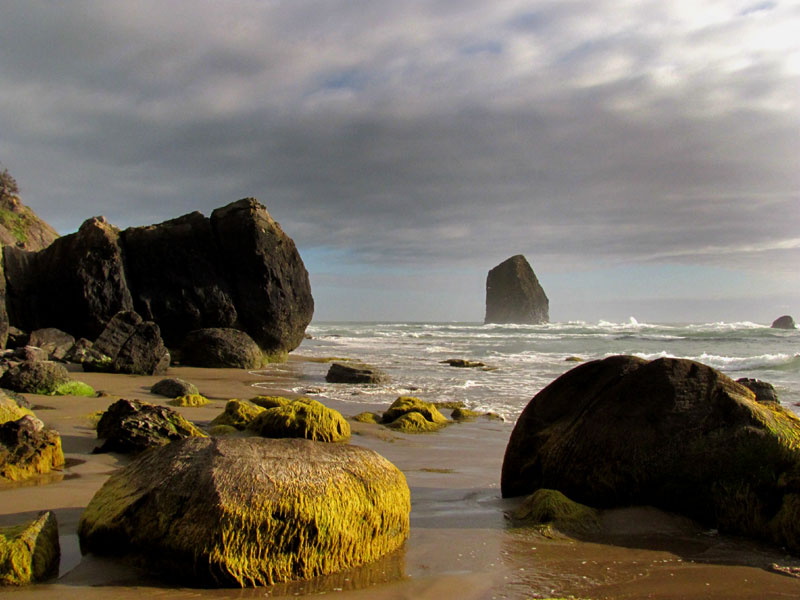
303 418
173 387
28 448
764 391
339 373
784 322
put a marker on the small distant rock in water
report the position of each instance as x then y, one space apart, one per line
764 391
573 359
339 373
784 322
463 363
514 295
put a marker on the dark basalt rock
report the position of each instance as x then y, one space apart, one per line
174 387
784 322
764 391
221 348
129 345
514 295
340 373
130 426
670 433
28 449
76 284
269 281
35 377
54 342
176 276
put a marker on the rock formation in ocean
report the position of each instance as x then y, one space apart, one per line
236 269
670 433
514 295
784 322
246 512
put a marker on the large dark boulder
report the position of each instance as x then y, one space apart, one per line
131 345
514 295
246 512
221 348
131 426
670 433
76 284
269 281
177 278
784 322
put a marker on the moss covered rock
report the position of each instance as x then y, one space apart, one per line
29 552
189 400
670 433
464 414
238 413
221 430
35 377
131 426
367 417
74 388
250 511
409 404
303 418
270 401
550 508
414 422
10 409
28 449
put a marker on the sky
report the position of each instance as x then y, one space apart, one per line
643 155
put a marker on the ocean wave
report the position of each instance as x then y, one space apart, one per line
734 363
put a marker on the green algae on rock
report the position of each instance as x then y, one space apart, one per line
414 422
670 433
269 401
409 404
550 508
189 400
367 417
35 377
74 388
28 449
220 430
238 413
464 414
10 410
250 511
29 552
303 418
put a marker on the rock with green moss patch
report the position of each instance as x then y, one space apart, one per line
282 510
35 377
238 414
671 433
222 430
10 409
303 418
270 401
191 400
131 426
550 508
74 388
367 417
28 449
410 404
464 414
414 422
29 552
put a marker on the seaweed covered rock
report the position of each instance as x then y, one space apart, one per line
242 512
303 418
464 414
130 426
341 373
220 348
408 404
11 409
670 433
269 401
29 552
173 387
189 400
28 449
367 417
238 414
413 422
35 377
550 508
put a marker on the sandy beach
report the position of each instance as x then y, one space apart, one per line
461 544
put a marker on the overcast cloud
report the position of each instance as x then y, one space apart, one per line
432 139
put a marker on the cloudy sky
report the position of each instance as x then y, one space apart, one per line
643 155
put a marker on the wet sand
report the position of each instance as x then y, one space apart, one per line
461 545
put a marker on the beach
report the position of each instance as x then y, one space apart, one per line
461 545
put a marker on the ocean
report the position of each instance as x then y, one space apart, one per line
522 359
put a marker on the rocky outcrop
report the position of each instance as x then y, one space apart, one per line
30 552
303 418
514 295
412 415
784 322
236 269
250 511
130 345
355 373
28 449
237 414
670 433
221 348
76 284
130 426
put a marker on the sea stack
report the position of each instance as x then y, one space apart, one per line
514 295
784 322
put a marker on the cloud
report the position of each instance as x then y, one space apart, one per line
423 132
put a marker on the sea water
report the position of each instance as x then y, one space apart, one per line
522 359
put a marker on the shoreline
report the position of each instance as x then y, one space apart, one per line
461 545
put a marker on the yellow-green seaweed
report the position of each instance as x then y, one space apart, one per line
410 404
550 508
192 400
303 418
367 417
464 414
42 459
10 410
269 401
238 413
414 422
220 430
74 388
282 510
29 552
